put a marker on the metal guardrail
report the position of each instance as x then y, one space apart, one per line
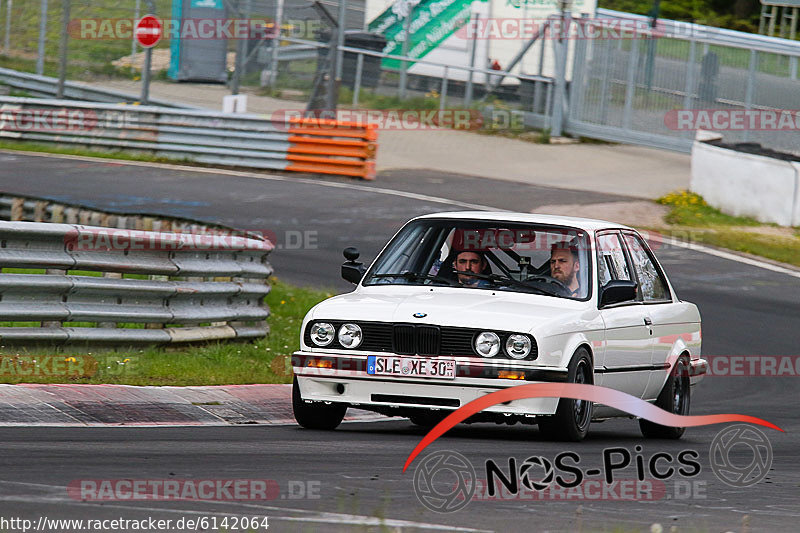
283 141
46 86
201 287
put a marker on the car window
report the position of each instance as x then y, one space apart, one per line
653 286
611 262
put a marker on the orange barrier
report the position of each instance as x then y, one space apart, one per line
332 147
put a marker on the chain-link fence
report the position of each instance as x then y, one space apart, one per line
652 87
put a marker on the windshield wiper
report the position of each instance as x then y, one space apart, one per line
415 276
497 279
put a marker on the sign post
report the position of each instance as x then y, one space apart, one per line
148 33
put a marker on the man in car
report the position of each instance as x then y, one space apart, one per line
564 266
470 262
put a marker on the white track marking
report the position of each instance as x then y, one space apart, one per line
378 190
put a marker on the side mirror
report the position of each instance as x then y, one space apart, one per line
617 291
352 270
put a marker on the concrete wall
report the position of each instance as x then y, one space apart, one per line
742 184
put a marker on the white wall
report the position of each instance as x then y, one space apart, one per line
742 184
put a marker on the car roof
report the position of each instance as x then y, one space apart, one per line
587 224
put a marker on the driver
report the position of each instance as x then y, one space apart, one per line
564 266
470 262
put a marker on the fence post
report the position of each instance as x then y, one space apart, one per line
475 23
579 67
690 68
357 82
630 90
62 48
404 63
751 86
559 98
7 43
604 96
42 38
443 93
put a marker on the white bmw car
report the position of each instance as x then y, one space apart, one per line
459 305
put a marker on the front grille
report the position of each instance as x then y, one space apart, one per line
418 400
404 340
415 339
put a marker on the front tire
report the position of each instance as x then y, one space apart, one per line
673 398
316 415
572 418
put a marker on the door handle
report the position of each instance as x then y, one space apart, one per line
648 321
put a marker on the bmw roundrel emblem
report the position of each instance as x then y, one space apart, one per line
420 315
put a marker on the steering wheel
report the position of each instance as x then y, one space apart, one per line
549 279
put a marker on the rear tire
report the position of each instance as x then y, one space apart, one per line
674 398
572 418
316 415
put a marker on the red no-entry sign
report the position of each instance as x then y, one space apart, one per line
148 31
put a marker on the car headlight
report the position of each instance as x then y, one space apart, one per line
350 335
487 344
518 346
322 333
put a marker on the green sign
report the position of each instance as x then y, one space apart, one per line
432 22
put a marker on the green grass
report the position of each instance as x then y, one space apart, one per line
261 361
691 216
85 152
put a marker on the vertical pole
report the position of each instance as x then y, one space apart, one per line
276 42
475 22
136 15
772 18
750 91
793 29
443 92
357 83
148 56
7 44
62 48
543 39
42 38
690 68
580 66
340 39
604 96
406 43
793 67
560 52
630 90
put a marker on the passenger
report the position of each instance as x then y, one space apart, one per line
471 262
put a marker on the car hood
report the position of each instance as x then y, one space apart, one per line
445 306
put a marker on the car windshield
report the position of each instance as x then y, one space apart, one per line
517 257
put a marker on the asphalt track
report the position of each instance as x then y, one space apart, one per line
746 311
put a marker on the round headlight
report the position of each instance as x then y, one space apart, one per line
322 333
350 335
487 344
518 346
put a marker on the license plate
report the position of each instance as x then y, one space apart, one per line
378 365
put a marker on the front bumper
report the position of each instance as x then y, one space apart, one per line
344 379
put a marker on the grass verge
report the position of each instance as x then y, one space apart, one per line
691 217
261 361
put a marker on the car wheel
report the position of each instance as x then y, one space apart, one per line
316 415
572 418
427 419
673 398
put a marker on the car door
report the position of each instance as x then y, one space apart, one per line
658 307
628 336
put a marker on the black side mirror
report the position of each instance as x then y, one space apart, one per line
617 291
352 270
